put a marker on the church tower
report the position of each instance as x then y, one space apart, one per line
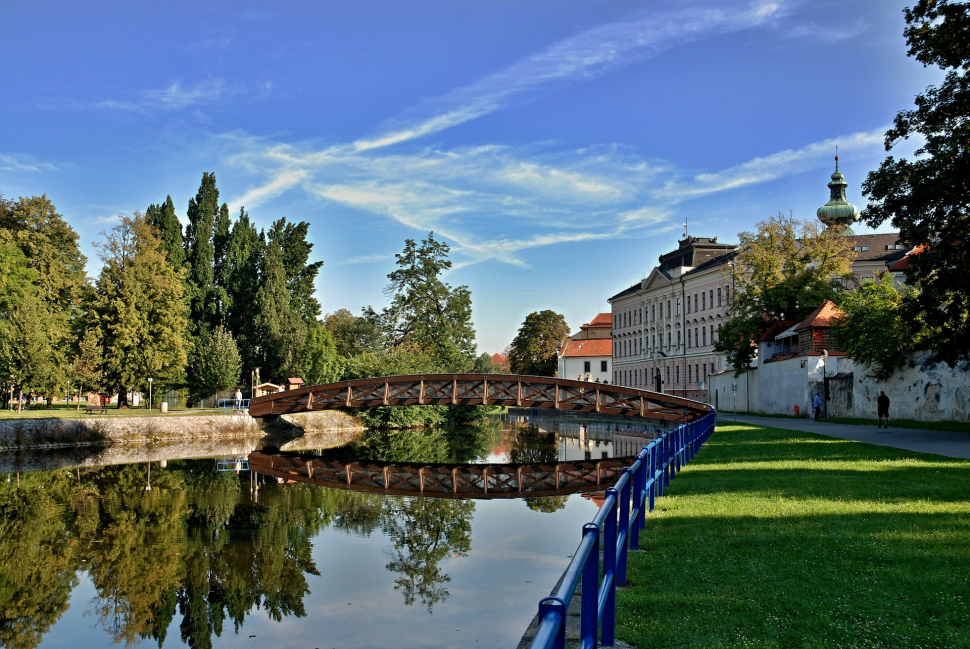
838 214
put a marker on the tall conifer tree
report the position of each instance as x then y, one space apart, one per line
240 273
280 329
200 254
163 217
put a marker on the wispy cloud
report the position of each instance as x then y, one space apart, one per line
22 163
829 32
776 165
365 259
587 55
176 96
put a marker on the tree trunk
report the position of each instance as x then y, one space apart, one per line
79 396
122 398
20 400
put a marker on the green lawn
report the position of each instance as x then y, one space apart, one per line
774 538
952 426
61 411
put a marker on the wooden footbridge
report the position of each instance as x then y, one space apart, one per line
479 481
478 390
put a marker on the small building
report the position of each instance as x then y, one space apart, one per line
267 388
293 383
588 354
815 331
502 361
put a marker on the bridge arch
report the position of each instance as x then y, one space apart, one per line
481 389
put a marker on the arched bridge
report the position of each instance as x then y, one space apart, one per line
479 481
477 390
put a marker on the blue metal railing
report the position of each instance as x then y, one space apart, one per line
644 481
232 404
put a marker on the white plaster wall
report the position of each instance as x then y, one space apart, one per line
923 392
720 385
570 367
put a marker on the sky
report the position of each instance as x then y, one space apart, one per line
558 148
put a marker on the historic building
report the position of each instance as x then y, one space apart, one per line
587 355
665 326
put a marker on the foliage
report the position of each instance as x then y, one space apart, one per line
533 351
26 354
396 361
300 275
782 271
546 505
217 363
875 330
425 313
485 365
319 358
86 368
240 277
169 227
927 198
200 255
354 335
138 310
281 331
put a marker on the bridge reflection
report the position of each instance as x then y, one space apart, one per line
478 481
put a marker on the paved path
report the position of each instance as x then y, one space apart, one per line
913 439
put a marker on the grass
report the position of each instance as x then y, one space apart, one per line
952 426
62 411
776 538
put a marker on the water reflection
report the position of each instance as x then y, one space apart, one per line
202 552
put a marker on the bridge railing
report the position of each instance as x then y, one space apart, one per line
232 404
640 485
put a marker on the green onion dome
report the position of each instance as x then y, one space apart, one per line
838 213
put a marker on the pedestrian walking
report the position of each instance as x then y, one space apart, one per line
817 404
882 409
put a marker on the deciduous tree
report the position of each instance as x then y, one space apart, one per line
928 197
533 351
217 363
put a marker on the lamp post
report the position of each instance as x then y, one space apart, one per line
825 396
150 392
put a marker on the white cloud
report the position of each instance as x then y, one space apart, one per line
176 96
22 163
586 55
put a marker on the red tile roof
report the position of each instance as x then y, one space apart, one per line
903 263
500 359
598 347
601 320
822 316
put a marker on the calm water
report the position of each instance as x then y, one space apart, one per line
90 557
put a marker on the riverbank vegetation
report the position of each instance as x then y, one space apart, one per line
202 309
776 538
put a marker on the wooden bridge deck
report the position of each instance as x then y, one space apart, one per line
479 481
481 389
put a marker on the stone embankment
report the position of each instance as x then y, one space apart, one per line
326 429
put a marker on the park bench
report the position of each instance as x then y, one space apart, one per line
95 408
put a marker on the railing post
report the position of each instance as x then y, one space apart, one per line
668 443
624 529
609 568
652 495
588 620
557 606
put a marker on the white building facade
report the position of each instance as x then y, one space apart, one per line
588 355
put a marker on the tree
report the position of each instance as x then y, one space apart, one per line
139 310
280 329
928 198
320 361
485 365
240 278
217 363
200 254
300 275
87 364
876 329
169 227
782 271
427 313
353 335
26 354
533 351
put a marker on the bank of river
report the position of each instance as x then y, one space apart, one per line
90 555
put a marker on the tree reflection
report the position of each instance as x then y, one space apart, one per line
530 446
424 531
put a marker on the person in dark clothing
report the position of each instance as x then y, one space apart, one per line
882 409
817 405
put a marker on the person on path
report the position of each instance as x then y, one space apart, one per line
882 409
817 404
238 397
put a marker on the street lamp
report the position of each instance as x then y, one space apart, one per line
150 392
825 395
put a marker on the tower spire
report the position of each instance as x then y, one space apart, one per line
838 214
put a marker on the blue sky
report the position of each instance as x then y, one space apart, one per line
557 147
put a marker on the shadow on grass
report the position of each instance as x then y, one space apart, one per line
851 545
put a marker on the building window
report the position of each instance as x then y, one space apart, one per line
695 301
704 336
678 306
586 366
677 374
602 366
695 336
668 309
688 374
703 301
688 341
668 340
719 297
653 341
668 376
678 338
712 334
653 312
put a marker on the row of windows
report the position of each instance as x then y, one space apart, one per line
587 365
701 300
632 346
638 377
